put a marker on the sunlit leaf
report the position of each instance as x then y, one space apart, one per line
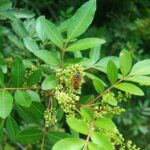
78 125
129 88
23 98
87 113
47 30
48 57
22 13
105 123
49 82
30 44
6 103
95 54
125 62
139 79
69 144
85 44
81 19
112 72
141 68
102 141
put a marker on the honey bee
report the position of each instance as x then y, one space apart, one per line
76 80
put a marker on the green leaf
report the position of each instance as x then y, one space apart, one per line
30 44
98 85
34 114
102 141
85 44
64 25
93 77
54 136
5 4
23 98
86 99
129 88
39 30
17 72
112 101
93 146
30 27
34 78
12 128
69 144
97 82
95 54
48 57
105 123
22 13
6 15
139 79
81 20
49 82
112 72
87 113
34 95
1 78
78 125
70 61
59 113
141 68
102 64
6 104
47 30
86 62
125 62
19 28
77 54
29 135
1 129
28 63
3 31
3 64
17 42
9 147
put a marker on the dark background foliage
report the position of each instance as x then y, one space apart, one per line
124 25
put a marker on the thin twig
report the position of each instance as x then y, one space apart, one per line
90 133
43 139
44 130
100 95
21 88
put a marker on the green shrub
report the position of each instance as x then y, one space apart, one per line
46 73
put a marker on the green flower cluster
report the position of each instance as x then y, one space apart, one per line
109 105
129 146
65 92
123 97
112 99
106 110
118 141
9 61
49 117
109 98
66 101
